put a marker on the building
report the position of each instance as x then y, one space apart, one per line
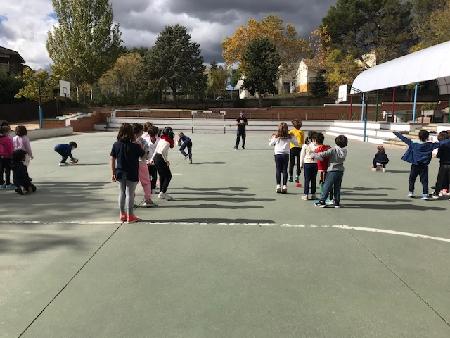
11 62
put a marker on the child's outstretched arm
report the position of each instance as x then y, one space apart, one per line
403 138
273 140
322 155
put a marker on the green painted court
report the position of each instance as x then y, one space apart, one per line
228 257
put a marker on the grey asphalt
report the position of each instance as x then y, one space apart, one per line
227 258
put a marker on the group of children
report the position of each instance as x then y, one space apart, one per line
15 156
140 154
311 156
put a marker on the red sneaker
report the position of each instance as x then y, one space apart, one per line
133 219
123 217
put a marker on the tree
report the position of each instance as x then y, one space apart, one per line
359 27
9 87
38 85
262 63
217 80
86 42
290 46
319 87
235 76
124 78
175 62
340 69
434 27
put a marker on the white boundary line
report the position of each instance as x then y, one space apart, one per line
311 226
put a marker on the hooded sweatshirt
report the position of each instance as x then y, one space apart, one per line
282 145
307 153
6 146
336 156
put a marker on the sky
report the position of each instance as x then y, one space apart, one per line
24 24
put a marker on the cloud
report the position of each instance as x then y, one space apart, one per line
24 24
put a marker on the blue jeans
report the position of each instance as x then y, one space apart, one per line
310 172
333 180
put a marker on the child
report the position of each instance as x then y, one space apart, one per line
6 151
322 165
125 156
443 178
380 159
419 155
161 161
185 142
22 180
294 155
144 176
21 141
309 166
335 172
281 140
65 150
152 139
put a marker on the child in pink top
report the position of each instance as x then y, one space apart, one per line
21 141
6 151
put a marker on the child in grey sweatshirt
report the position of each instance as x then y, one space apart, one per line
336 157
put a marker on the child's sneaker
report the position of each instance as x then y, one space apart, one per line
278 189
320 204
148 204
162 196
3 187
297 179
167 197
383 170
123 217
425 197
19 190
291 179
63 164
284 189
133 219
10 187
374 169
337 205
190 160
313 196
411 194
305 197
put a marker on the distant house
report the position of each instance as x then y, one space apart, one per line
11 62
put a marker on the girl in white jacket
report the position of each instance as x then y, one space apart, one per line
309 166
281 140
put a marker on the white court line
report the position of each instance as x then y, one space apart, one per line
310 226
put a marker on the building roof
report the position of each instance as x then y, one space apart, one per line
11 52
425 65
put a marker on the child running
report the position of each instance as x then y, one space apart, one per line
152 139
322 165
419 154
6 152
380 159
22 180
125 156
185 142
21 141
294 156
161 161
309 165
65 150
281 140
336 157
144 176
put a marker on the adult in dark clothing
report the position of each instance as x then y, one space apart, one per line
21 179
242 122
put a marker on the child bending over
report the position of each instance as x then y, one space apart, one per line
185 142
65 150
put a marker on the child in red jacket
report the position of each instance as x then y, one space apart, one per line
322 165
6 151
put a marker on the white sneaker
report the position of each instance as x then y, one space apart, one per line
162 196
425 197
278 189
63 164
168 197
305 197
384 170
411 194
284 189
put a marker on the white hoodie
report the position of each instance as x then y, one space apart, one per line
307 153
282 145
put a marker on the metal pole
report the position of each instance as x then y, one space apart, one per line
41 113
362 106
393 103
378 108
364 116
415 102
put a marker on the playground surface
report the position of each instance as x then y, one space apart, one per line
228 257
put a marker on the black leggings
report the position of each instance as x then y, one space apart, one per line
293 158
281 163
153 175
165 175
5 167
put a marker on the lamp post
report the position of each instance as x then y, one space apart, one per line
416 88
41 112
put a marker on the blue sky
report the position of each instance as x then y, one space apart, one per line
24 24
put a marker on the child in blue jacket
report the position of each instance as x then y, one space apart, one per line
419 155
65 150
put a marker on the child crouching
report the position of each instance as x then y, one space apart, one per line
21 179
380 159
335 172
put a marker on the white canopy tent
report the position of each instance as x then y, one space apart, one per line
432 63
